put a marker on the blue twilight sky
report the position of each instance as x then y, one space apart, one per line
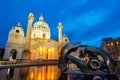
85 21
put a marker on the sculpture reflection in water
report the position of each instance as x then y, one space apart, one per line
93 63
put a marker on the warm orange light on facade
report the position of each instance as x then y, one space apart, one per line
36 54
41 40
41 50
16 39
53 55
44 53
49 53
45 40
37 50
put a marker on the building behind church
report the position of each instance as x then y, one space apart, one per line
112 46
37 44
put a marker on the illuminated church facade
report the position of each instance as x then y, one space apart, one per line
37 44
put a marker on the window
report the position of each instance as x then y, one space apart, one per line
44 36
111 44
117 42
119 57
44 26
66 40
17 31
119 53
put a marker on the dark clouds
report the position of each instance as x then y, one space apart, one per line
87 21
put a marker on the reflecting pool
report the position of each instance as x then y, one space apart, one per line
46 72
50 72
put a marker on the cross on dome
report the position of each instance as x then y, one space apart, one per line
41 18
18 25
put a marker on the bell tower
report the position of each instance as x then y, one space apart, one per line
29 30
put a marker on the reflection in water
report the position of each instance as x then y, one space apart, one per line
44 73
63 77
9 73
23 73
50 72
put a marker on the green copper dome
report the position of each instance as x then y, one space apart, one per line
41 23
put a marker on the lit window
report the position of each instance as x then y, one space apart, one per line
44 26
117 42
44 36
111 44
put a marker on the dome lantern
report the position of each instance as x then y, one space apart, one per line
41 18
18 25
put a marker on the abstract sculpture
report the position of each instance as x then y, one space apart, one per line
92 60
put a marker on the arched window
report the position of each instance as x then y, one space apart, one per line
66 40
17 31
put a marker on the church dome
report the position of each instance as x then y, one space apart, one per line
41 29
41 23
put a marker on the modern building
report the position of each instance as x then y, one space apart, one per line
112 46
37 44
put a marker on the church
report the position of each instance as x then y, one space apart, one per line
37 44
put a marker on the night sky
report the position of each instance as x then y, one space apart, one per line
85 21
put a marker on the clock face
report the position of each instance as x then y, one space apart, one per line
16 39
